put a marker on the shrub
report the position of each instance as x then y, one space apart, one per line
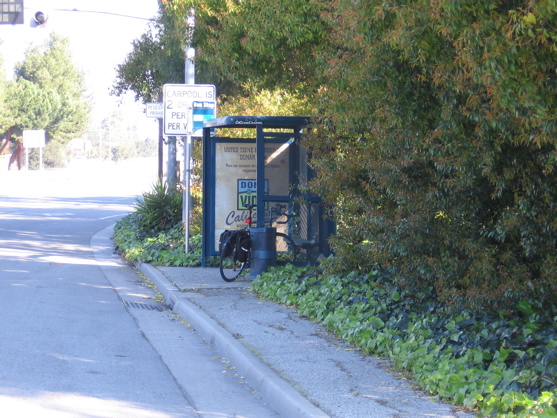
443 169
499 367
165 248
160 209
54 156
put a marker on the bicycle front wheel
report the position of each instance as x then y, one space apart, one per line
230 268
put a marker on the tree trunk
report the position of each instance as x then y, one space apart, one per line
17 156
8 137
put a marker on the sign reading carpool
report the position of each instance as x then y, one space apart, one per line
178 105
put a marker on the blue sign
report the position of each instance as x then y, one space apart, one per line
202 111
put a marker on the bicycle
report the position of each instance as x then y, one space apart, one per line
304 250
235 250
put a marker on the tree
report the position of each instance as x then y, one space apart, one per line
50 67
148 67
436 143
260 45
6 111
444 146
438 128
48 93
5 115
113 139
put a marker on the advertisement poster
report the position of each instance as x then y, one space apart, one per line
236 185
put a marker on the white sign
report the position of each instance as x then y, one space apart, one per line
154 110
178 102
34 138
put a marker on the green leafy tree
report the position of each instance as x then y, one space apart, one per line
436 139
27 106
148 67
47 93
50 67
32 106
5 114
266 44
441 157
157 57
261 45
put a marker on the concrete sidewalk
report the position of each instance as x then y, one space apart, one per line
297 366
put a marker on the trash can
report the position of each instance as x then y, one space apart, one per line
263 250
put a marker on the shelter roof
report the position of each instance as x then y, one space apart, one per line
276 122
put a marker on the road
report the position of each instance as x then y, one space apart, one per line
82 334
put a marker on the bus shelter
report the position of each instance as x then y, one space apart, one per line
266 169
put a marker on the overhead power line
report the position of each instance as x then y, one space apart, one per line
105 13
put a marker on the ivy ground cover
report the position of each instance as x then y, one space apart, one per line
491 365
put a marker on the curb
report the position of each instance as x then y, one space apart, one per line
282 396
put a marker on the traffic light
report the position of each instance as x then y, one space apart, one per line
11 12
39 19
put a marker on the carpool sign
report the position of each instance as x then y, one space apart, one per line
178 105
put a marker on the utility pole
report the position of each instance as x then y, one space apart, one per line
171 163
160 171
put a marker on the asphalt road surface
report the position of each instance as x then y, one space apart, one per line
82 336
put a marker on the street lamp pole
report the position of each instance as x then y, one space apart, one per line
188 146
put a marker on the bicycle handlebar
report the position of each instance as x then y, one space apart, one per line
281 212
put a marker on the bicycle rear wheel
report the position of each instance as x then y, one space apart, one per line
230 268
287 251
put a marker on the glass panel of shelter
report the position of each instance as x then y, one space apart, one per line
287 172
